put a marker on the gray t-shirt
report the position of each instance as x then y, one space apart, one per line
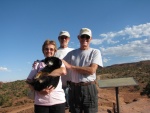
82 58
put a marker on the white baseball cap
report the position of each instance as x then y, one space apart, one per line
64 33
85 31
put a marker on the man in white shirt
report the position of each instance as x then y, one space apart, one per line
64 38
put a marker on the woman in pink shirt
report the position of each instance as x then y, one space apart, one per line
49 100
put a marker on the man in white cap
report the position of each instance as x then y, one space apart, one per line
64 38
81 65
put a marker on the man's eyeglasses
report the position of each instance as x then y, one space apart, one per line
51 49
85 36
63 37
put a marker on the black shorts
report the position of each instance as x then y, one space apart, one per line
83 99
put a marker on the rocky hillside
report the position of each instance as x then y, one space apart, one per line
140 71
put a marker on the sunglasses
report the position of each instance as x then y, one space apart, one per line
85 36
51 49
63 37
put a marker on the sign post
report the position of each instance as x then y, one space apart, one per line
116 83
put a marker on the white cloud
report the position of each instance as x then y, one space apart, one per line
96 41
105 60
139 31
3 69
138 48
100 41
134 32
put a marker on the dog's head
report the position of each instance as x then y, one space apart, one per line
52 63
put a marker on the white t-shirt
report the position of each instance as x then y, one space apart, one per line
61 53
57 96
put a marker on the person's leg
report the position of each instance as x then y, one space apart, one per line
41 109
71 99
58 108
90 110
90 99
67 97
75 99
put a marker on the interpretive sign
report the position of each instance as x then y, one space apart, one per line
116 83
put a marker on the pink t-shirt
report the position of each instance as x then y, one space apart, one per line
57 96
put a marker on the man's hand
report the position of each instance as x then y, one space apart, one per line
67 65
34 63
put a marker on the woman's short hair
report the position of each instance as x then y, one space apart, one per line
49 42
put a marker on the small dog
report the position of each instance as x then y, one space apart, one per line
42 80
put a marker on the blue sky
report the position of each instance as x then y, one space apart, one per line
121 30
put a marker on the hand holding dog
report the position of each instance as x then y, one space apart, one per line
47 90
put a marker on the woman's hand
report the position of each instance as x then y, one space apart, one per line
47 90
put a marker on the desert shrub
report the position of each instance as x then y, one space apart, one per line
137 88
12 90
146 90
25 92
7 104
3 99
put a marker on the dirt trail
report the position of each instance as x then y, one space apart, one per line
140 106
23 109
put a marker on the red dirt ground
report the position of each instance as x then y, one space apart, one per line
129 102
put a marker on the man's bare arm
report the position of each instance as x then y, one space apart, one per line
87 70
58 72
